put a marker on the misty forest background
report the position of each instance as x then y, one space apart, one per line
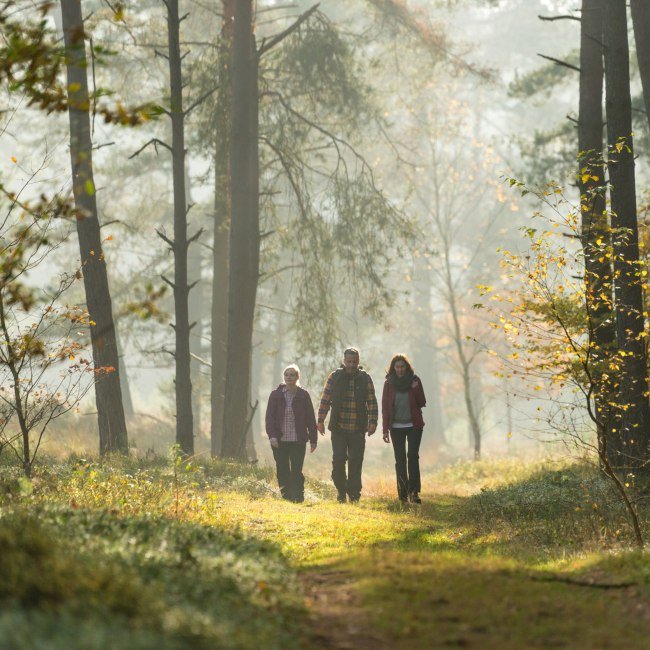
195 194
385 138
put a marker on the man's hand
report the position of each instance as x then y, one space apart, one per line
321 428
386 437
371 429
274 442
313 447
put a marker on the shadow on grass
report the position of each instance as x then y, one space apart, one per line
77 578
541 517
417 600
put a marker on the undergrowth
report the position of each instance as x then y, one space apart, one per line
170 553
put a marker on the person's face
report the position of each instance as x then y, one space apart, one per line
350 363
400 368
291 377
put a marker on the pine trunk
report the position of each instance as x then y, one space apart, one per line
641 23
244 231
220 280
595 226
633 400
112 425
183 380
196 302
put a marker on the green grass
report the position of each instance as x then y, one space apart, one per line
169 554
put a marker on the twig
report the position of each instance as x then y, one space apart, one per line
559 62
267 45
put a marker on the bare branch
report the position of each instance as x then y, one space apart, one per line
166 239
199 101
155 142
563 17
195 236
559 62
267 45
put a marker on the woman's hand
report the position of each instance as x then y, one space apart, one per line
274 442
312 447
386 437
321 428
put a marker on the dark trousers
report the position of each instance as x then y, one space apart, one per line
289 459
407 464
348 448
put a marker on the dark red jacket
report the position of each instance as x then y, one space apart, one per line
417 401
303 411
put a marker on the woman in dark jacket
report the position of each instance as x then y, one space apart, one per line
401 406
290 423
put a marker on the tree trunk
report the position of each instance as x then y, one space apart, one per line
424 353
635 416
112 425
221 233
125 386
244 231
253 400
183 380
595 223
641 22
196 311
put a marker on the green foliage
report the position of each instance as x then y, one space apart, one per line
549 153
171 553
114 552
545 79
32 61
568 506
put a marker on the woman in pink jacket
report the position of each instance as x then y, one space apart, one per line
401 406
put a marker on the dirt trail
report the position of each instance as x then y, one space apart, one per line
338 619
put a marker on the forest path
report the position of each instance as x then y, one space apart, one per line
431 584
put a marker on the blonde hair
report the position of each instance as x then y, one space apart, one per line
292 366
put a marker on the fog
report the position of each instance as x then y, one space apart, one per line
388 132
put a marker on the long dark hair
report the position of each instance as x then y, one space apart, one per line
394 360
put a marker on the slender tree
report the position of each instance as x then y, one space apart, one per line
641 23
180 244
112 425
219 326
244 231
633 397
595 228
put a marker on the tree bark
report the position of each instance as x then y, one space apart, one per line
112 425
595 226
221 238
196 311
183 380
641 23
244 231
425 354
125 386
633 399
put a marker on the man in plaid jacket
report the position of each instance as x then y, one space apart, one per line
350 394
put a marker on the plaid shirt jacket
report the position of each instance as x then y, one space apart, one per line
348 414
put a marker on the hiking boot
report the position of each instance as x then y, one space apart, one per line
403 499
342 497
414 497
354 499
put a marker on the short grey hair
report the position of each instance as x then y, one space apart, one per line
353 351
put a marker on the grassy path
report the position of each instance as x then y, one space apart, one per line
168 555
377 576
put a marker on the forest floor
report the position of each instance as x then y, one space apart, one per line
168 554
